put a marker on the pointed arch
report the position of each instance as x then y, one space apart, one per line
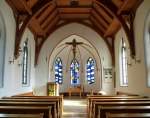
58 71
147 47
25 64
123 64
2 49
74 72
90 68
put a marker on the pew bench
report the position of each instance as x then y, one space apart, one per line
99 104
27 110
115 99
54 111
127 115
90 97
103 110
40 115
58 107
59 98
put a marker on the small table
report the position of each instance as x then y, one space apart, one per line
75 90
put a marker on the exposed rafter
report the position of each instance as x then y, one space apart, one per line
43 17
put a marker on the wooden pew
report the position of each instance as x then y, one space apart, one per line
127 115
5 115
46 104
99 104
27 110
114 100
100 97
122 109
59 98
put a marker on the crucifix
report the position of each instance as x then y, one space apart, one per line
74 44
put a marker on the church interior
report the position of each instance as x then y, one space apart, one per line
74 58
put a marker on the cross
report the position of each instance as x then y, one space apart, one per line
74 44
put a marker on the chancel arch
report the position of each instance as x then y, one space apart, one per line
74 52
59 35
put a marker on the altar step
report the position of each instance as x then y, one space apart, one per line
75 108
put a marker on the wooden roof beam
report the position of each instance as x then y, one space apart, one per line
31 3
26 6
74 10
96 23
101 11
100 19
75 16
36 8
53 23
49 19
37 28
68 2
130 36
46 13
113 28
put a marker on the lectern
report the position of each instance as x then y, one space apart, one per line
52 89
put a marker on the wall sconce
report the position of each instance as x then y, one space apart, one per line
137 60
19 64
11 60
129 64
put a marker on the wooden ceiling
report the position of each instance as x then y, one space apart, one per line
43 17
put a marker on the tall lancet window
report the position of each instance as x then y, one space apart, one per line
90 67
74 72
124 80
25 63
58 71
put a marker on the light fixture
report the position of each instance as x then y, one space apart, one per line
11 60
19 63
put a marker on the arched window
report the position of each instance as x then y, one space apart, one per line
90 66
2 50
58 71
25 63
147 47
74 71
123 78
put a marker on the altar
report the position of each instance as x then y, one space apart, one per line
76 89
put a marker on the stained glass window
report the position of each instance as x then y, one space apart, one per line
74 71
90 66
25 63
58 71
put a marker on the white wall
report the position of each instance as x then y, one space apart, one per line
137 82
13 72
42 68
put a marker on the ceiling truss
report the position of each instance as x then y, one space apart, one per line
43 17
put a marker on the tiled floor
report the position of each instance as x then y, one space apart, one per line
75 108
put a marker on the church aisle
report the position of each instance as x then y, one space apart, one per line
75 108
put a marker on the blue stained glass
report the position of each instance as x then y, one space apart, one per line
58 71
90 70
74 71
